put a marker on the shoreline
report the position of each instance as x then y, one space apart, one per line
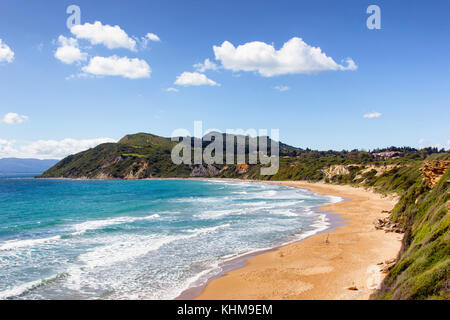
196 288
311 268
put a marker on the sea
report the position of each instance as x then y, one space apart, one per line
142 239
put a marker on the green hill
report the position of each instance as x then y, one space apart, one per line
137 156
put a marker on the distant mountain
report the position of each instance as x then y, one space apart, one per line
17 165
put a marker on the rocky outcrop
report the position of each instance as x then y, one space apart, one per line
140 173
202 171
387 265
387 225
433 171
242 168
99 176
225 168
112 162
340 169
335 169
380 169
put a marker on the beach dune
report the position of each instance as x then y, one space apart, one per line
343 264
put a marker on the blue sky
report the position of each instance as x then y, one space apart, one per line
57 107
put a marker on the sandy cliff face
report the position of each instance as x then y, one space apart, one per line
339 169
242 168
433 171
335 169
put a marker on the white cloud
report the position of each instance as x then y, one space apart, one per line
112 37
194 79
7 148
6 54
61 148
149 37
172 90
14 118
282 88
421 141
118 66
295 57
372 115
68 52
206 65
48 149
152 37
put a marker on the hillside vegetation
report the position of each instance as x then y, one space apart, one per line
423 268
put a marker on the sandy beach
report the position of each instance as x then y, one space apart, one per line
343 264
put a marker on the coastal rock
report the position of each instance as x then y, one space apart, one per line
140 173
363 169
101 176
111 163
335 169
225 168
388 265
387 225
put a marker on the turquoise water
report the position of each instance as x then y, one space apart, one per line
74 239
